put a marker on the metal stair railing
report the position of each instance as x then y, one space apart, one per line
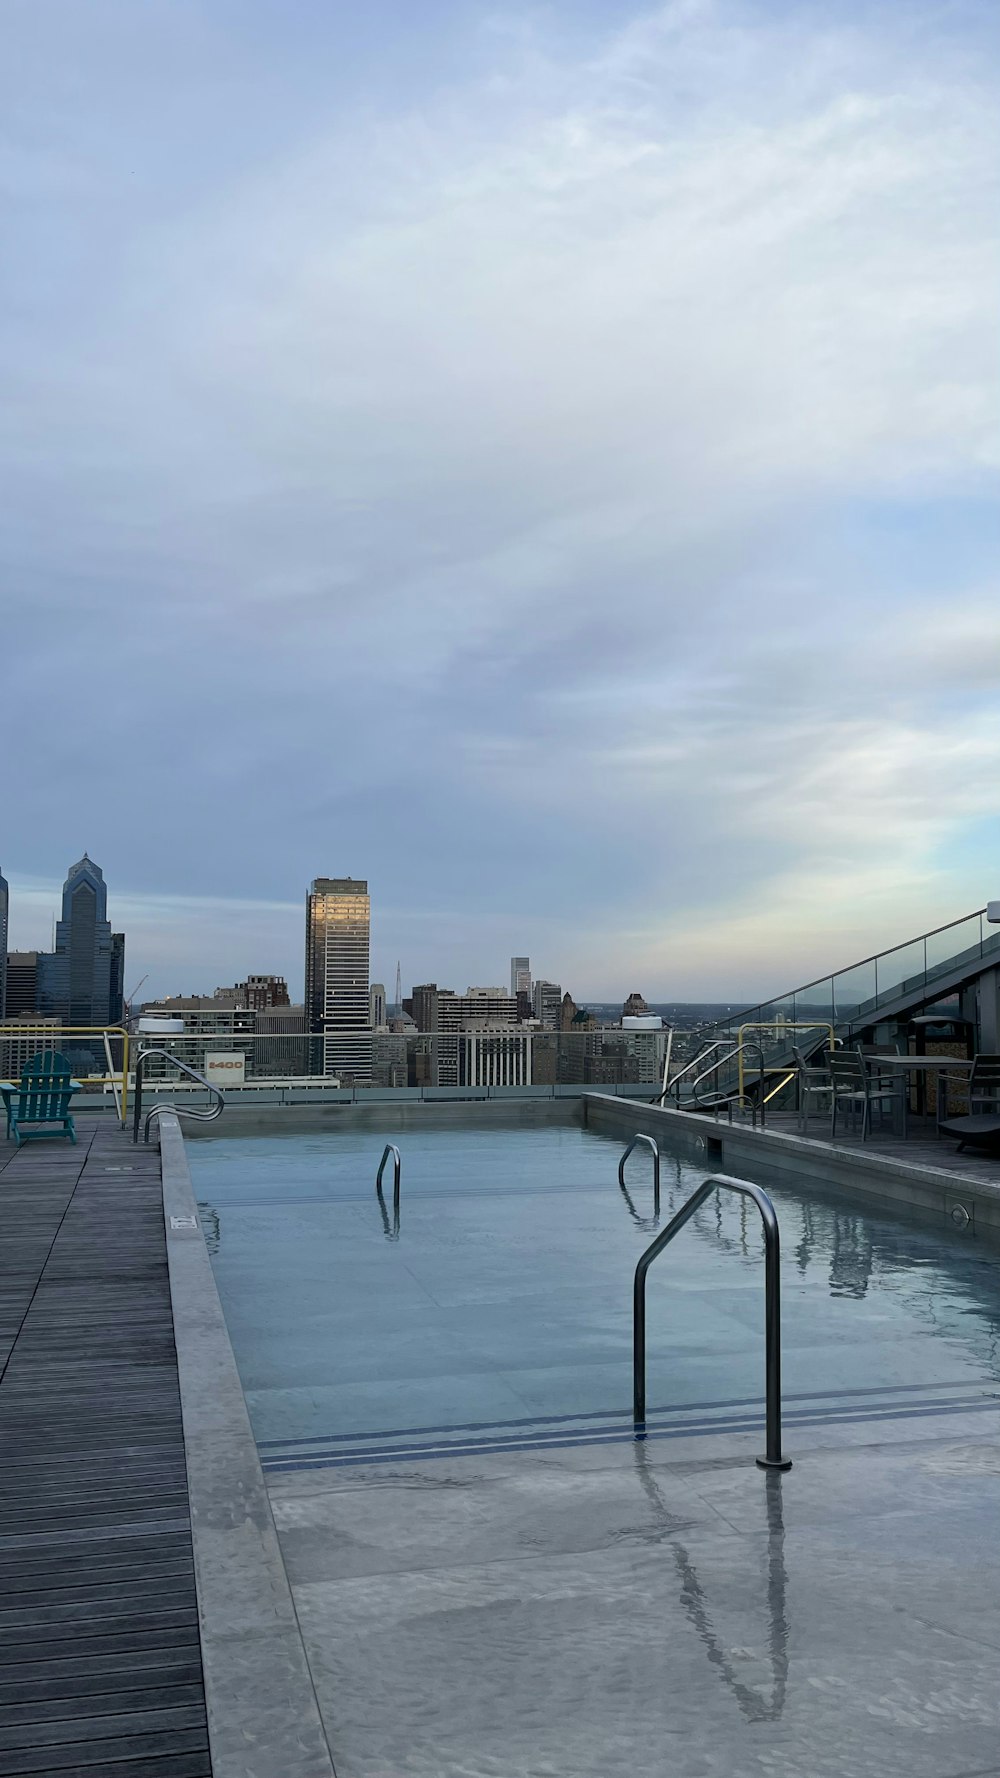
206 1116
725 1099
898 978
772 1458
673 1086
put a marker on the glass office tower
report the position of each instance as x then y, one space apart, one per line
338 1010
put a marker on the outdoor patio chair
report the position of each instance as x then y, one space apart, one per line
981 1123
855 1090
41 1099
813 1084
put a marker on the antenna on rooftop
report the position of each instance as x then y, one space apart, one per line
399 991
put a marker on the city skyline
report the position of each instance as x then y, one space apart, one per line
259 987
238 937
571 444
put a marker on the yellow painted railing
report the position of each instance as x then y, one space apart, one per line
779 1025
46 1035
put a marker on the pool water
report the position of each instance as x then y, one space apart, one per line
504 1300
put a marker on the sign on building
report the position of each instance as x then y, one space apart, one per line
226 1068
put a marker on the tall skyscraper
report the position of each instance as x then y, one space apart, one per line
116 994
81 979
4 901
376 1004
546 1001
338 930
520 976
22 983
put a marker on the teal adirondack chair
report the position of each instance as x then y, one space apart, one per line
42 1098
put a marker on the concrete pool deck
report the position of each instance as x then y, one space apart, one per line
648 1609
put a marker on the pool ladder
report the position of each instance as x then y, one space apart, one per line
656 1168
772 1458
201 1115
397 1167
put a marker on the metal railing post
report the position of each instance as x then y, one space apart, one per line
137 1104
772 1458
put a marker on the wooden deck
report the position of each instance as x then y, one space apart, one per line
100 1661
922 1147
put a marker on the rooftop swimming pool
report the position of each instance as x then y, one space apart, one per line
498 1316
494 1579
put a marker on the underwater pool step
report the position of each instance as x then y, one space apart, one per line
614 1426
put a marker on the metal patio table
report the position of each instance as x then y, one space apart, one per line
919 1067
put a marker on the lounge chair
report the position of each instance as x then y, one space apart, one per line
41 1099
981 1123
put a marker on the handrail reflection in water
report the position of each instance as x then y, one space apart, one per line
752 1705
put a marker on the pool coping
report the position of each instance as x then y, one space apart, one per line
263 1717
968 1205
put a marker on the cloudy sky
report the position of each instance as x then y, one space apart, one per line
540 458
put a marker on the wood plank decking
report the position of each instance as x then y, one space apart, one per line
100 1660
922 1146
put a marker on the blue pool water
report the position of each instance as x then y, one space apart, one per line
505 1299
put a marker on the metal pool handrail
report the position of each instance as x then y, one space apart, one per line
699 1056
203 1117
722 1097
640 1137
772 1458
390 1149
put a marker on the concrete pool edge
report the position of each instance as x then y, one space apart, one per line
263 1717
885 1179
269 1119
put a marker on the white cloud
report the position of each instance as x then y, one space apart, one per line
497 453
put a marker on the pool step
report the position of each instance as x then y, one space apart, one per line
614 1426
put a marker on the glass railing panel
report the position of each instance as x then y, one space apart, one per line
900 970
815 1005
955 945
991 940
854 991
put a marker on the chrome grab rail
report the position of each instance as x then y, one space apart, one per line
739 1097
390 1149
656 1168
702 1052
726 1105
772 1458
202 1117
